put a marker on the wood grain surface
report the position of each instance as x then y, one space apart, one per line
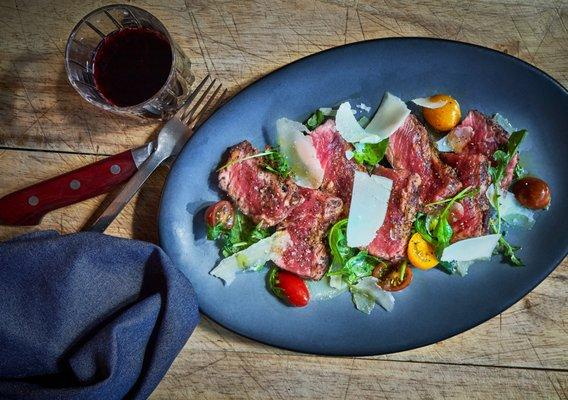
46 129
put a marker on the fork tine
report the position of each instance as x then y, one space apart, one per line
190 98
188 113
209 107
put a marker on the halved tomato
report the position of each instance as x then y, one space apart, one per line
393 278
222 213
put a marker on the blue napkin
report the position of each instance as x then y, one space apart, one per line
89 316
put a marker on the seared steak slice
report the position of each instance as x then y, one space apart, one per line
487 137
392 237
307 225
263 196
469 217
338 170
410 149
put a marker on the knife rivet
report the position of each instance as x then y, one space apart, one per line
33 201
115 169
74 184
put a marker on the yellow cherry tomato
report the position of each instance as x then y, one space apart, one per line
421 253
444 118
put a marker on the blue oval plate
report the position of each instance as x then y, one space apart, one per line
435 306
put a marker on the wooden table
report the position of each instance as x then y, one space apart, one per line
46 129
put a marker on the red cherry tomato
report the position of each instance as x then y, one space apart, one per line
289 287
221 212
532 192
389 276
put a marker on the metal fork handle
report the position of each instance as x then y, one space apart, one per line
127 192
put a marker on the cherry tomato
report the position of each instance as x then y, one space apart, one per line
289 287
443 118
532 192
421 253
389 276
221 212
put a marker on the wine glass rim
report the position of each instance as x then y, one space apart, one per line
110 106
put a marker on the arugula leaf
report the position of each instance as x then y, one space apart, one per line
370 153
436 229
216 232
241 235
519 172
502 157
348 263
337 240
315 120
277 163
507 250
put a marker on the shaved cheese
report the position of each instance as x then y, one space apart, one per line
327 111
389 117
349 128
364 107
443 145
510 209
478 248
300 152
369 202
323 290
253 257
427 102
366 293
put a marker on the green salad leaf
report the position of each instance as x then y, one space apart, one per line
242 234
436 229
348 263
370 154
315 120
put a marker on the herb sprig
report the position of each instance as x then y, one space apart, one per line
275 162
502 158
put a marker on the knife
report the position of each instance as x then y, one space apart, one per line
28 206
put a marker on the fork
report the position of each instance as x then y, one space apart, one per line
171 138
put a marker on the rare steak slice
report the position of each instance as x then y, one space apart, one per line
392 237
338 170
307 255
263 196
410 149
484 137
469 217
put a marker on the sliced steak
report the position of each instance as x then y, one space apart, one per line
410 149
485 137
338 170
392 238
263 196
307 255
469 217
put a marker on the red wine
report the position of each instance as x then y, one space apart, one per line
131 65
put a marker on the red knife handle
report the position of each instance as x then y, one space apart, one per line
29 205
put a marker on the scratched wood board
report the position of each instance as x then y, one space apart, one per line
46 129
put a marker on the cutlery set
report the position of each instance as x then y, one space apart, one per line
131 168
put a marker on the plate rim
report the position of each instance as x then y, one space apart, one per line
419 343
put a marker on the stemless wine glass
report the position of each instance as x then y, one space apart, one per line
88 35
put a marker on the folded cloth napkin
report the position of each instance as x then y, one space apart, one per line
89 316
